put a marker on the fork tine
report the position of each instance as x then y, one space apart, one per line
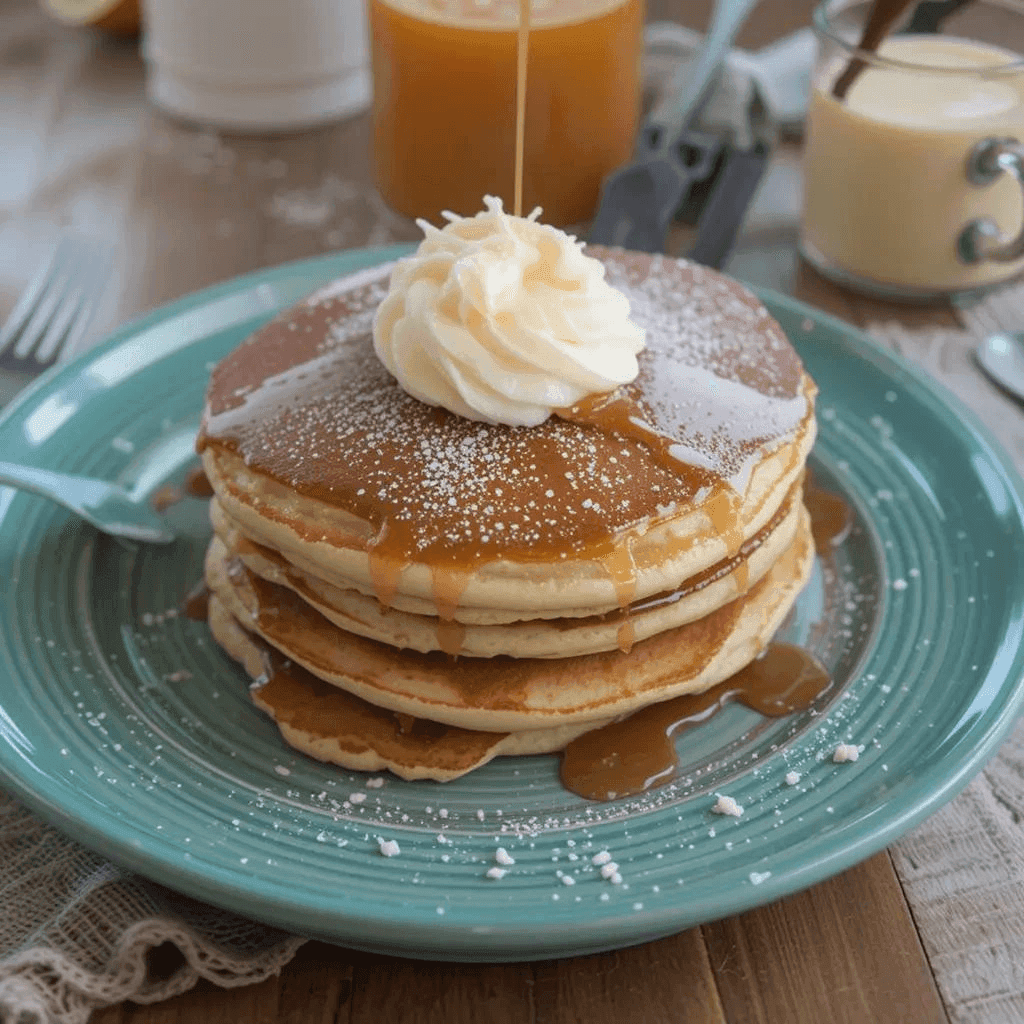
102 264
71 265
78 329
57 330
41 316
74 314
58 305
27 300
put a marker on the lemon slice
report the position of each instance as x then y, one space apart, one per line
121 17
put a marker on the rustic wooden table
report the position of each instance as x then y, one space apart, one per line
926 931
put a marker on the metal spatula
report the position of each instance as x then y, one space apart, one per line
639 200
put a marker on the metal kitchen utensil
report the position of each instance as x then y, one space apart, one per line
638 201
929 15
106 506
723 211
56 307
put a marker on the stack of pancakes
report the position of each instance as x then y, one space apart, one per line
420 592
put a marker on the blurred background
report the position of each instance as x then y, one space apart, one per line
185 205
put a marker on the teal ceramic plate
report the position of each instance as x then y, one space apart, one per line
122 722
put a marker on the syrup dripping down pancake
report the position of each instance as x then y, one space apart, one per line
513 694
567 636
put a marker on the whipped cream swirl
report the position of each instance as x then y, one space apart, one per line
505 320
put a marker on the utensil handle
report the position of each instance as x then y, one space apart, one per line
980 239
722 216
691 85
54 486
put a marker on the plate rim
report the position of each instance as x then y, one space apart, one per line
227 889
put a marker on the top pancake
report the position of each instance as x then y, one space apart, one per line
315 450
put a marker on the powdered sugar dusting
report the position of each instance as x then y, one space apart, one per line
313 407
720 373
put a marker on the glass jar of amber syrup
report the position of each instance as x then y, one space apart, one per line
444 115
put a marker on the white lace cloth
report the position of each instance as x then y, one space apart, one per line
76 932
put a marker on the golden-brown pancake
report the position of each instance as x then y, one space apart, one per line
327 720
332 725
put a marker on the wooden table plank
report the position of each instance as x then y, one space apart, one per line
964 871
845 952
664 982
315 988
411 991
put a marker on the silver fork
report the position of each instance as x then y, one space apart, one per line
49 318
56 307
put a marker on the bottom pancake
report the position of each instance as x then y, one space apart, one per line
334 726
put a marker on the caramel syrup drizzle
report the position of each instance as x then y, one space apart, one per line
619 413
449 585
196 605
633 755
638 753
522 56
831 516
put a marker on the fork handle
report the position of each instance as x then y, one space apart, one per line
106 506
48 484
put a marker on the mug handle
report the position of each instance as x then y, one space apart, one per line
980 239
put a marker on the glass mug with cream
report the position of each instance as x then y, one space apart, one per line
914 176
444 106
